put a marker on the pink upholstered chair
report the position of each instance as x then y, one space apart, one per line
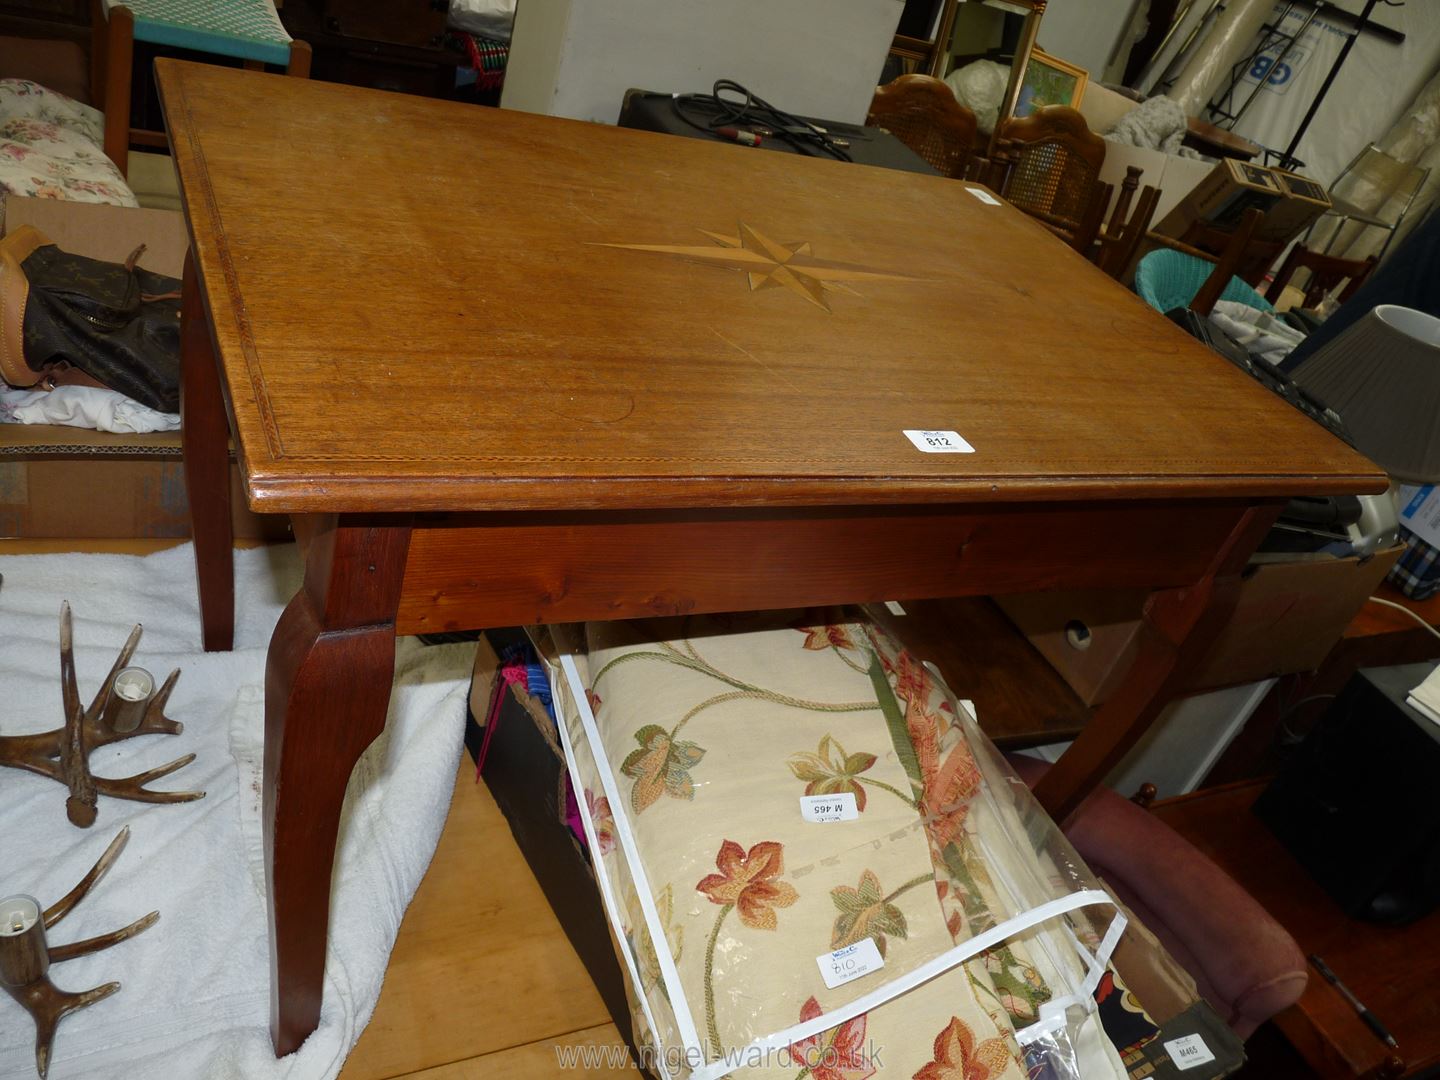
1245 964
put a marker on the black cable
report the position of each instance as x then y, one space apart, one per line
752 111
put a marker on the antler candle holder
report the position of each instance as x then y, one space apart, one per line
26 956
126 705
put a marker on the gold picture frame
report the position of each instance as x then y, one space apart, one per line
1050 81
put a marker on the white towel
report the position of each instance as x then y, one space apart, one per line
194 1001
1425 698
84 406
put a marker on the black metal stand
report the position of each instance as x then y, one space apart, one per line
1288 159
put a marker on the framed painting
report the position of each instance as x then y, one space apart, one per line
1050 81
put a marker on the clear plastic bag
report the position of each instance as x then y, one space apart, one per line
813 859
1231 36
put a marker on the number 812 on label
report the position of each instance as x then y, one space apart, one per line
938 442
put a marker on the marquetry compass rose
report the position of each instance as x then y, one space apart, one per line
768 264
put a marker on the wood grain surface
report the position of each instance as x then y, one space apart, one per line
480 965
328 674
542 1060
425 305
1020 700
501 569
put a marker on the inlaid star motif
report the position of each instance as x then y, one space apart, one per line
768 264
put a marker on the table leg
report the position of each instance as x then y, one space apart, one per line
327 689
205 442
1178 627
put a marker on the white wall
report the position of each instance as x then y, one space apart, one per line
1378 81
1186 740
1085 32
577 58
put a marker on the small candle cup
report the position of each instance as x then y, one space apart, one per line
130 694
23 954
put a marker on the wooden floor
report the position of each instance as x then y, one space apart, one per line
483 982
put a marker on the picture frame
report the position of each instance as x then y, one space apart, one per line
1050 81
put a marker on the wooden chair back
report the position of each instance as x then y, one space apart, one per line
1255 259
1228 264
1050 165
921 111
112 47
1120 247
1326 274
1128 187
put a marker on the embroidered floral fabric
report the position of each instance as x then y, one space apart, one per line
50 148
713 730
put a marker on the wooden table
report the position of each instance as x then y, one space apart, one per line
528 370
1392 969
1207 138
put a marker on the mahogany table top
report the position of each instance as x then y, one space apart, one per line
423 305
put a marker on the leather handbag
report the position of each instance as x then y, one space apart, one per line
67 319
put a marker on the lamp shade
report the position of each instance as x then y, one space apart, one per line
1382 375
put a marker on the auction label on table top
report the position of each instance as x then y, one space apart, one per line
939 442
850 963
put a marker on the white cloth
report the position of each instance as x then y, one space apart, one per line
194 1001
980 87
86 407
1155 124
1260 332
488 18
1425 698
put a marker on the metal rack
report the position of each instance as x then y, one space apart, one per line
1222 110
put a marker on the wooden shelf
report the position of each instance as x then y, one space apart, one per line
1021 699
1376 619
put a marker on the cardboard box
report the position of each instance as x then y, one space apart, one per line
1289 616
74 482
1222 198
1173 1001
1305 200
525 772
1176 177
576 58
1290 202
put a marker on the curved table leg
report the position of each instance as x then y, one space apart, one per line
327 689
1178 627
205 439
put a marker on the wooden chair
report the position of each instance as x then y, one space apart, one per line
55 64
1177 275
1244 962
1326 274
1212 241
1120 240
921 111
244 29
1227 265
1048 165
